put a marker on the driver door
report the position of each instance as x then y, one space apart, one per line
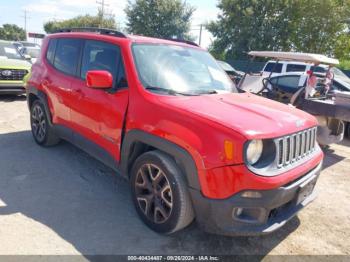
98 114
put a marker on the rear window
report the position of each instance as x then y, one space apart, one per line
296 68
277 68
67 55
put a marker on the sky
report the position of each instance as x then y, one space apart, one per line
41 11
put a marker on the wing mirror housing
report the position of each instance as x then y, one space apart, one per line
99 79
27 57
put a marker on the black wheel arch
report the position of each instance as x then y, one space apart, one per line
137 142
35 94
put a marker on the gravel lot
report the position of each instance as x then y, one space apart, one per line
61 201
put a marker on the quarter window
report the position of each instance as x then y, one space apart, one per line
276 68
296 68
67 55
51 50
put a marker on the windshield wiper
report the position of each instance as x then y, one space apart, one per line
208 92
169 91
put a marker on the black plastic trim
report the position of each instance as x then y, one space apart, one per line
43 98
102 31
216 215
182 157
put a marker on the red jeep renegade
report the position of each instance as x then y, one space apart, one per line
166 117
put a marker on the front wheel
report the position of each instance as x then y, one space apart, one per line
160 193
41 130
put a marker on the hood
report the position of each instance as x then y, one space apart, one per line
14 63
247 114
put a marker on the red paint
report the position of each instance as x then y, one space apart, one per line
99 79
199 124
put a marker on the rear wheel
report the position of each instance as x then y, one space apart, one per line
160 193
43 133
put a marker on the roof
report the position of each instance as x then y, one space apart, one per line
294 56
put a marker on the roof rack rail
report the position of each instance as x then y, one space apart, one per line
103 31
182 41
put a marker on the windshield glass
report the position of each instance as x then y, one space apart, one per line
339 73
181 69
9 51
32 52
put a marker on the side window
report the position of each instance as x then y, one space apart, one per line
103 56
50 54
296 68
67 55
290 82
277 68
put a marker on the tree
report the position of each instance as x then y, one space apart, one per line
159 18
288 25
318 25
12 32
82 21
245 25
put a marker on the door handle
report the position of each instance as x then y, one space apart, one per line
79 93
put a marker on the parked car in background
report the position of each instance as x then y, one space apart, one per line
234 74
13 69
166 116
287 82
18 45
29 44
294 74
341 82
32 52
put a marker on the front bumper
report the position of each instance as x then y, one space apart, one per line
240 215
12 87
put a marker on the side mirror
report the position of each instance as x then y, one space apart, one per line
27 57
99 79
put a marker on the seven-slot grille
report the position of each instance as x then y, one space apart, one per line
15 75
295 147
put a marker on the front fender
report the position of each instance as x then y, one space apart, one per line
183 157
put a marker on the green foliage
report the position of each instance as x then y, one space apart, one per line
342 47
12 33
81 21
288 25
159 18
344 64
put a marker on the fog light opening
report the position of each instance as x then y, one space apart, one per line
251 194
248 215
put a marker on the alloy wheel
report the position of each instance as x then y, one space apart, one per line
38 123
153 193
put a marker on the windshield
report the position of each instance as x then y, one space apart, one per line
225 66
32 52
9 51
338 73
181 69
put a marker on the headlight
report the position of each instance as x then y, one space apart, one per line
254 151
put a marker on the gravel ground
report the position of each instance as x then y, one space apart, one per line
61 201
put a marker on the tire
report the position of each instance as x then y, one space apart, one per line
156 177
348 130
42 132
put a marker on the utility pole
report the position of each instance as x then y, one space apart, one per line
103 5
200 34
25 16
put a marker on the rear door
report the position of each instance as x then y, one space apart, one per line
97 115
63 57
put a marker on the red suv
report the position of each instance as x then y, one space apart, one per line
166 117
